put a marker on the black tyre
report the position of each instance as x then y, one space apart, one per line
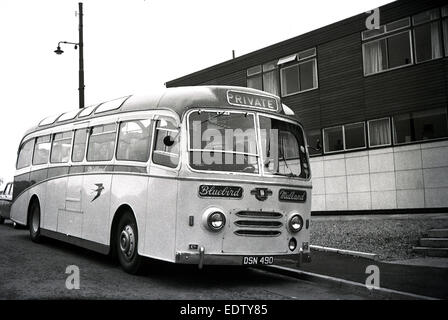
126 244
34 222
2 220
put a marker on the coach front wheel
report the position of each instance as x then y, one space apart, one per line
34 222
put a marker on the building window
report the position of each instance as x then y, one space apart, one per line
445 28
343 138
386 29
62 144
264 77
391 45
290 80
298 76
270 78
314 138
379 132
333 139
354 136
420 125
42 150
427 40
102 143
254 78
387 53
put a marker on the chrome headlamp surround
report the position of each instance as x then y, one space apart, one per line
214 219
295 223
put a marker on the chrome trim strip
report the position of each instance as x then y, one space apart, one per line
87 244
280 184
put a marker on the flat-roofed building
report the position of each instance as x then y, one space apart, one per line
376 99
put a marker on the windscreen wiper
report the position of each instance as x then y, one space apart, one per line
290 174
282 155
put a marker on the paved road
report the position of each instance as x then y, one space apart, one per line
37 271
421 280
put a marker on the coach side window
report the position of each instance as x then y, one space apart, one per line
79 145
60 150
165 152
41 150
134 140
101 143
24 159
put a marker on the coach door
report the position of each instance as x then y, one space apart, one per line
98 182
71 219
162 189
54 212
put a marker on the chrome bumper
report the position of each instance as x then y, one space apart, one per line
200 258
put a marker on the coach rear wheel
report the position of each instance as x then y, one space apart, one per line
126 244
34 222
2 220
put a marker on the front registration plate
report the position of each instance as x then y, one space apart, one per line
265 260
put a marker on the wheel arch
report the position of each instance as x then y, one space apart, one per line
33 198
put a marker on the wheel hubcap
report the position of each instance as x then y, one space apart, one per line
127 241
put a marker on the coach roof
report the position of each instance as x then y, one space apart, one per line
179 100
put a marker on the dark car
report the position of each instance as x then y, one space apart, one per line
5 202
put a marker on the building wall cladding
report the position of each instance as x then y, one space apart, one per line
402 177
395 177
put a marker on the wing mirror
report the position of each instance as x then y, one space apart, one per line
168 141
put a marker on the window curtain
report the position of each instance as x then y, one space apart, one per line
445 35
270 82
435 41
255 82
379 132
373 62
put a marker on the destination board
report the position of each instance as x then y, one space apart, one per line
250 100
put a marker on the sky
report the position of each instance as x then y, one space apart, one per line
131 46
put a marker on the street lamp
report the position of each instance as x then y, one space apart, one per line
59 51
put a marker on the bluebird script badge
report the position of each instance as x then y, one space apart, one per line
206 190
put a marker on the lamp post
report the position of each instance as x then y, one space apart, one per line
79 44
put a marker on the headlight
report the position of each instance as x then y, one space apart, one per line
295 223
216 221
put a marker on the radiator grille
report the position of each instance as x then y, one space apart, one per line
258 224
